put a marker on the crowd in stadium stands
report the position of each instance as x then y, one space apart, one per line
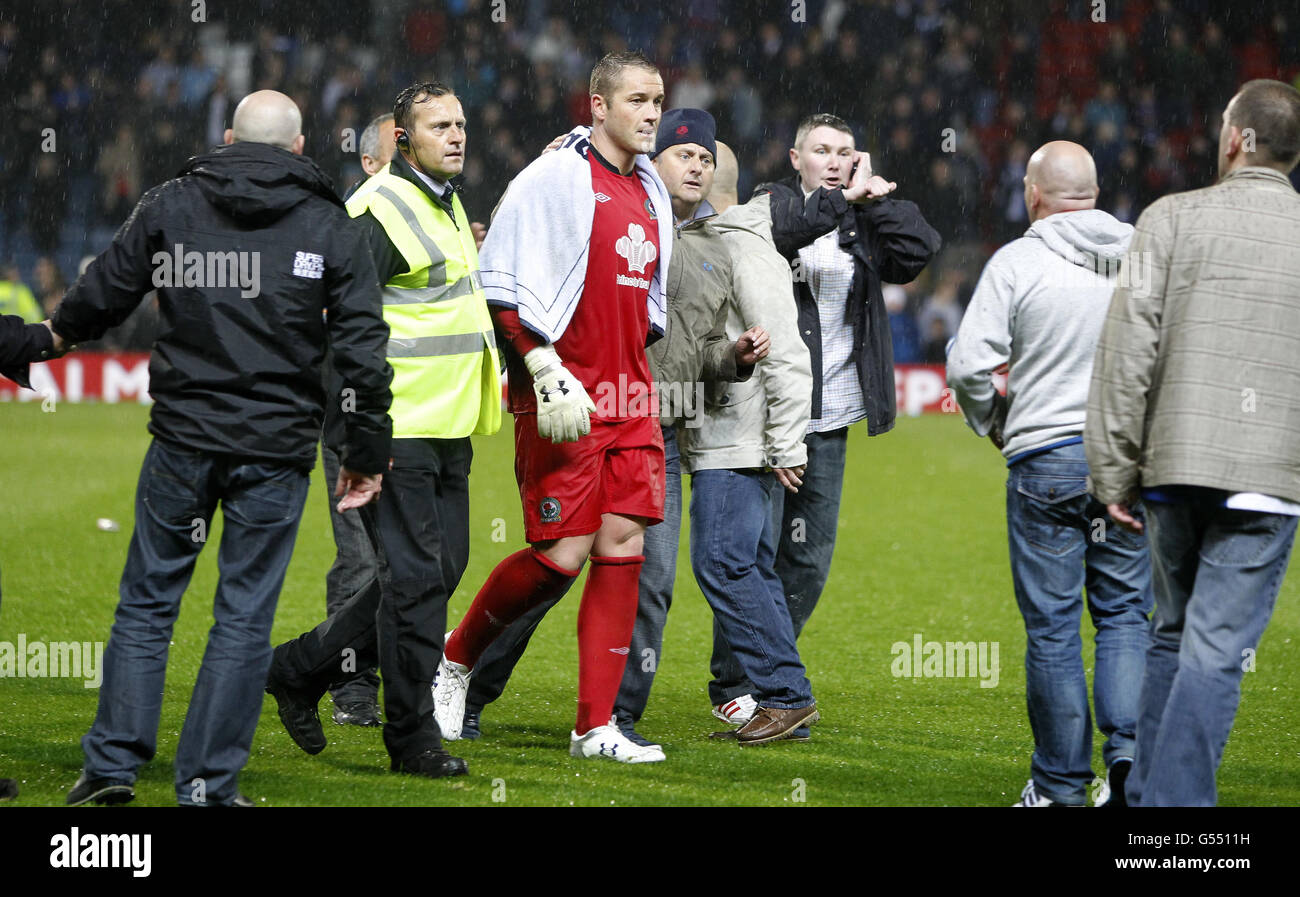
950 97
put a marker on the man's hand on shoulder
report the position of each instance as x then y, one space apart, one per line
479 230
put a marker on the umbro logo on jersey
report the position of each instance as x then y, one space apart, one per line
601 197
638 251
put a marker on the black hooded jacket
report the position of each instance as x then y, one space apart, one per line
248 248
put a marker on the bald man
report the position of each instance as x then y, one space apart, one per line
246 248
1039 307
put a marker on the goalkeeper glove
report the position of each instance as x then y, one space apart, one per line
563 406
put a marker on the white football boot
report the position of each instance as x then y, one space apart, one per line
450 688
608 741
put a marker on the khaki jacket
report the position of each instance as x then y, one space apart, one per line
1196 380
694 349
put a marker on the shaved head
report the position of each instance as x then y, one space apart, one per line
1060 177
725 175
267 116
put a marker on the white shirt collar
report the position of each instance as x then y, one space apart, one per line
438 187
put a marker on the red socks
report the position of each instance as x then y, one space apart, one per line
521 581
606 618
605 622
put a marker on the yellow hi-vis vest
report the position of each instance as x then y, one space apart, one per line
446 374
16 299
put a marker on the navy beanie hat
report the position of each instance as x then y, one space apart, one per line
686 126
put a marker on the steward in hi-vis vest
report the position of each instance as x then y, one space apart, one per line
446 373
446 387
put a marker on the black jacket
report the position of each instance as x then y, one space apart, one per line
20 344
241 374
889 241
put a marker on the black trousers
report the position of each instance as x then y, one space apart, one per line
354 568
420 529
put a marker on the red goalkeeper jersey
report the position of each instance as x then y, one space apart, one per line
604 344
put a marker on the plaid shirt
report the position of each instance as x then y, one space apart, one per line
829 270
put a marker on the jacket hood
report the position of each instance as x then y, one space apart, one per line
1084 237
754 216
258 183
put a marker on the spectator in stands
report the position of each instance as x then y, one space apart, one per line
50 284
49 197
119 172
1106 107
902 325
16 298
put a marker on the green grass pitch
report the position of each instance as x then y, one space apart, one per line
922 549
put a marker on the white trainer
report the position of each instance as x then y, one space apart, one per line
1031 798
450 688
737 711
1109 792
608 741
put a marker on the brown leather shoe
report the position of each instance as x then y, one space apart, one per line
773 724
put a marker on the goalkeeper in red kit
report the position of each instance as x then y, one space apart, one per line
573 269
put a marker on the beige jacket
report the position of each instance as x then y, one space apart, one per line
1196 380
760 422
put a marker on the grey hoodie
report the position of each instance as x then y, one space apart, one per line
1039 307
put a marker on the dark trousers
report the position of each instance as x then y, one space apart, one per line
179 490
354 568
420 529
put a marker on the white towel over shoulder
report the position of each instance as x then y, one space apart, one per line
534 259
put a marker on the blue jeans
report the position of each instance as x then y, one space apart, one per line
658 573
733 553
807 522
178 493
1062 541
1217 575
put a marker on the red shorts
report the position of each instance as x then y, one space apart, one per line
618 468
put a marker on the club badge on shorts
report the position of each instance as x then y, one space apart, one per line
550 508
